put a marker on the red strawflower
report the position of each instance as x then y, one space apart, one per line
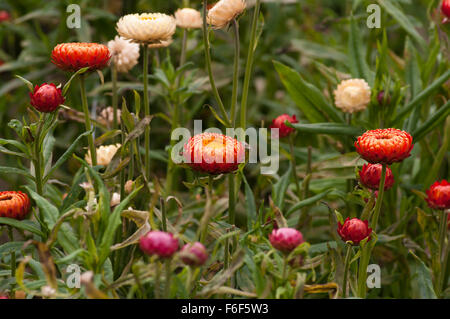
194 254
384 146
283 129
214 153
438 195
14 205
46 97
75 56
370 176
4 15
445 8
286 239
159 243
354 230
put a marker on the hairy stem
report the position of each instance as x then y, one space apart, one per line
87 120
346 267
146 113
379 200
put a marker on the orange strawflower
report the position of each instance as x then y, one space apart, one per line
75 56
14 205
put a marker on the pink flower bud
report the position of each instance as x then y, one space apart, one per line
158 243
283 129
354 230
286 239
46 98
194 254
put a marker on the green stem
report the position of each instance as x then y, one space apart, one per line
114 95
163 215
294 167
183 47
87 120
207 50
168 279
157 280
38 157
205 219
249 65
346 267
13 253
146 112
234 95
285 266
379 200
231 200
442 252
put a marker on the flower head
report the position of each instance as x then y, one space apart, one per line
106 116
124 54
194 254
4 16
279 124
46 97
224 11
352 95
354 230
370 176
445 8
105 154
214 153
384 146
438 195
188 18
146 27
286 239
75 56
158 243
14 205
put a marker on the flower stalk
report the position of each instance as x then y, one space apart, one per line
146 112
442 251
379 200
346 267
87 119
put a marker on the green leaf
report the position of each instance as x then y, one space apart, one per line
13 170
21 225
67 154
27 83
139 129
280 187
417 101
309 99
422 279
327 128
67 85
403 21
433 122
358 64
308 201
249 203
49 211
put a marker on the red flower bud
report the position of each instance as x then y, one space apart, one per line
370 176
445 8
194 254
439 195
354 230
4 15
283 129
46 97
158 243
286 239
14 205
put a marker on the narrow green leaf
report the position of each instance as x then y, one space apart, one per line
21 225
49 211
327 128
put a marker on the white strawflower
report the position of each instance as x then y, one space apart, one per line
105 153
146 27
106 116
161 44
124 54
352 95
224 11
115 200
188 18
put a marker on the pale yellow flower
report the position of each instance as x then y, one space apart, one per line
115 200
188 18
146 27
352 95
105 153
224 11
124 54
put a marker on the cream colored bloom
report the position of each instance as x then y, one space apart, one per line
104 154
161 44
124 54
188 18
129 186
352 95
146 27
224 11
106 116
115 200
